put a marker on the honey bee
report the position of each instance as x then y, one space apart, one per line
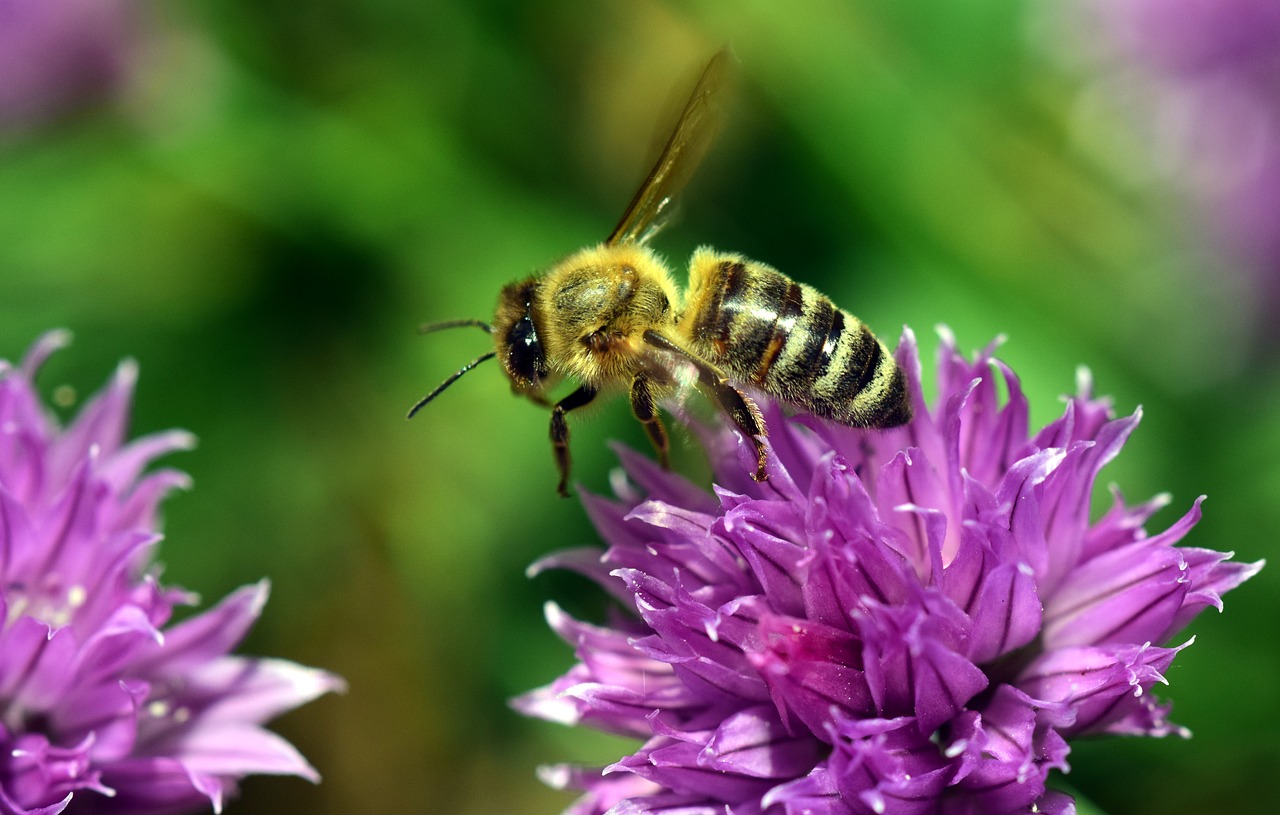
610 317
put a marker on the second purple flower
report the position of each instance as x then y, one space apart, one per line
106 705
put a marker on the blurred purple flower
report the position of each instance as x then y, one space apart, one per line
905 621
58 56
1199 83
102 707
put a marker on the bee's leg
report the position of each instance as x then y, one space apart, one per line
741 409
744 413
644 409
560 432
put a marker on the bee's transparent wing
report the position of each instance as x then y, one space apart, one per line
689 141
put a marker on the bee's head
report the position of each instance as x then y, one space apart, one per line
515 335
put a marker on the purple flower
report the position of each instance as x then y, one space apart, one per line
59 56
905 621
1198 84
104 707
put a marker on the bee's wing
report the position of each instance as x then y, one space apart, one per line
693 133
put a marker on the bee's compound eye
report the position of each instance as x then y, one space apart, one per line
525 359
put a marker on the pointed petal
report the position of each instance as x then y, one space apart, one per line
101 424
40 351
15 531
812 670
156 785
123 467
1209 576
234 749
241 689
754 742
1006 614
1102 685
675 765
1130 594
911 663
208 635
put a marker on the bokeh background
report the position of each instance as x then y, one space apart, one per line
260 203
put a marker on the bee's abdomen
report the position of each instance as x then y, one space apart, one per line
791 341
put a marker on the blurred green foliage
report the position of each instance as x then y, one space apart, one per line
279 199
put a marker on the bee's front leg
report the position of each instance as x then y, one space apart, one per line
560 432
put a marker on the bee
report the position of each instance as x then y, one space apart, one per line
611 318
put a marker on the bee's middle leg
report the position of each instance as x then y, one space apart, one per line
740 407
642 405
560 432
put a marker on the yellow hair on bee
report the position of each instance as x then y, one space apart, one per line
594 307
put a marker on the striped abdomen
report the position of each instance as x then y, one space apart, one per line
789 340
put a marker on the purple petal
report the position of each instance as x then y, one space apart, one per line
815 793
996 436
811 670
33 664
604 792
775 561
16 534
124 467
100 426
755 743
153 786
42 349
1020 509
232 749
1067 493
38 773
208 635
108 712
675 766
140 509
238 689
1130 594
888 766
845 575
1121 525
1102 685
67 528
616 688
1006 612
911 665
663 485
1209 577
115 643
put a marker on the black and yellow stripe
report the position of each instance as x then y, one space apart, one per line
791 341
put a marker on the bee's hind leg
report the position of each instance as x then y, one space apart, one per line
642 405
741 409
560 432
744 413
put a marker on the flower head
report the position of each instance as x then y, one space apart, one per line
902 621
105 706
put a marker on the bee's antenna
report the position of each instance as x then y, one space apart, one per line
427 328
473 363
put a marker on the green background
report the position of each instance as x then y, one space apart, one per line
280 197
